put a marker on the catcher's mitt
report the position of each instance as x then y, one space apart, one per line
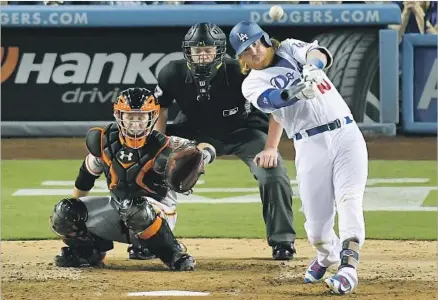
183 169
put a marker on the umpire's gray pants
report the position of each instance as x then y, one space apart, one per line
274 183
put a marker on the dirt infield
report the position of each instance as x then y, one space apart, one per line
227 269
394 148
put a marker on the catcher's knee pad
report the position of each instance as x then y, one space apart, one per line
69 217
138 214
350 253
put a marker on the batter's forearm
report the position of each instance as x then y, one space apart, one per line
317 58
162 120
274 134
277 98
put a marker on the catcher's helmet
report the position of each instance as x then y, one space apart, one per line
244 34
136 111
204 35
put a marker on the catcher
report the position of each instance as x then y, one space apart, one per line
141 166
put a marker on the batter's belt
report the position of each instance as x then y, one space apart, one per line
323 128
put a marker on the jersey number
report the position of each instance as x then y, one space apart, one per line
324 86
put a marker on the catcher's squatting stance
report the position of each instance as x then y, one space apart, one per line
286 79
141 167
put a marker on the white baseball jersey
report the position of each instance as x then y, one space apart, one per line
326 107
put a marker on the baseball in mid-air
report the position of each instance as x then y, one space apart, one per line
276 12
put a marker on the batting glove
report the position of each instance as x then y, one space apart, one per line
301 91
307 92
313 74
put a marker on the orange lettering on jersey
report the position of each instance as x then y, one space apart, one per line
324 86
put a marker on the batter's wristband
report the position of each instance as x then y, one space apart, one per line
316 62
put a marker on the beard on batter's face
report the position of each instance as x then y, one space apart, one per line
260 61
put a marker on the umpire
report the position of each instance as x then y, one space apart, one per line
207 87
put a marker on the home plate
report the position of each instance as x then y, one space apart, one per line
168 293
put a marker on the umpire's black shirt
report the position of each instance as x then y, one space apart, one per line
225 111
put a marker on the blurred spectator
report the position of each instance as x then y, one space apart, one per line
125 3
166 2
53 2
199 2
325 2
25 2
222 2
417 17
280 2
298 2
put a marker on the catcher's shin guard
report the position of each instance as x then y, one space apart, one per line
155 234
159 239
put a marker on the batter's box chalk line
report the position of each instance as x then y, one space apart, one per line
168 293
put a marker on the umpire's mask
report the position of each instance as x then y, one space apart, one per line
204 48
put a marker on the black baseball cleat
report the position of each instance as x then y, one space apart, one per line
183 262
69 258
283 252
140 253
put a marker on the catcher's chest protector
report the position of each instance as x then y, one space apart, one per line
129 172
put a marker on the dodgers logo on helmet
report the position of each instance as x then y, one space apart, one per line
245 33
242 36
282 81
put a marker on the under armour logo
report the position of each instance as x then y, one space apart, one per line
242 36
123 155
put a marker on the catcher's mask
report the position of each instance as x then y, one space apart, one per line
136 111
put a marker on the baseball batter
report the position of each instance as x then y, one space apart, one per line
140 169
287 80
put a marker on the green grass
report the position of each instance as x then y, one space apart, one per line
431 200
218 195
29 173
27 217
245 220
